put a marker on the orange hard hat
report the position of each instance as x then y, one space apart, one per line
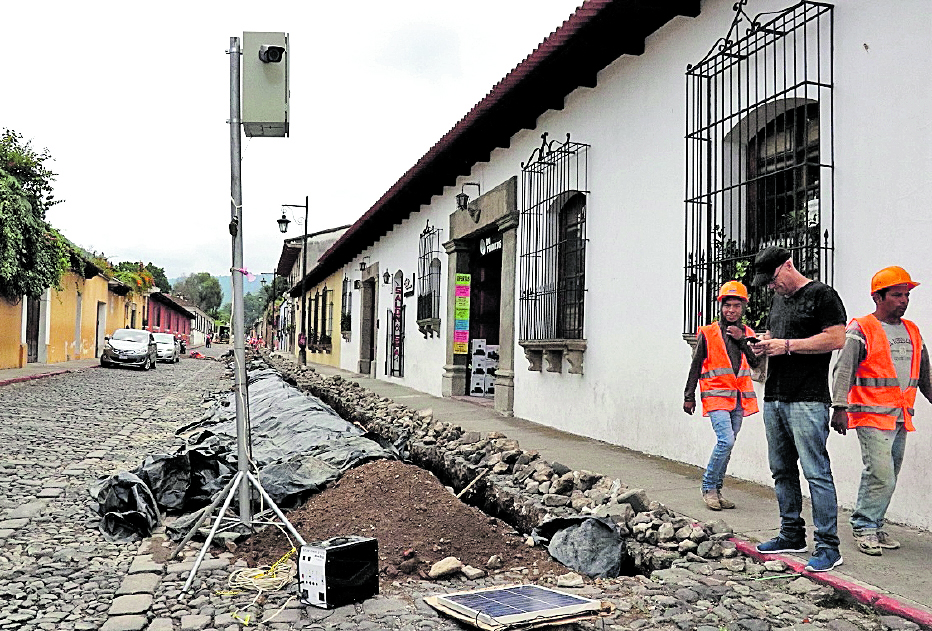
733 289
890 276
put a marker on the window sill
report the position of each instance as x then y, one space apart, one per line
429 326
554 351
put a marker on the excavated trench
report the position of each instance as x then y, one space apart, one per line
501 479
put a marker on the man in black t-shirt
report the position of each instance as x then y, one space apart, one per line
806 323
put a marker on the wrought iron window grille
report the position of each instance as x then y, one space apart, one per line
428 281
759 155
552 257
346 309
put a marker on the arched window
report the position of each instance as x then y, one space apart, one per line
759 155
571 268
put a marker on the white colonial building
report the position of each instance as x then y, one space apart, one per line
580 217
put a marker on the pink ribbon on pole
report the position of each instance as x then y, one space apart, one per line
249 277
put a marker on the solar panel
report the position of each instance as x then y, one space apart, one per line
518 603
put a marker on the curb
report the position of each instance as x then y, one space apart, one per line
862 593
41 375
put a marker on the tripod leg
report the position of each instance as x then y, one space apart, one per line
213 531
274 507
204 515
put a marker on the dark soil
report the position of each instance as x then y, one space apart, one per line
416 520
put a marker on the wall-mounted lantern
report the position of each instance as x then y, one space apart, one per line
386 277
462 199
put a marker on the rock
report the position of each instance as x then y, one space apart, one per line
551 499
775 566
445 567
666 532
472 573
570 580
494 562
637 498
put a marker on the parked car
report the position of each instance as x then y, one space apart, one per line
129 347
168 347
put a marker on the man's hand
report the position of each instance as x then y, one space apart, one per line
840 420
689 407
735 332
770 347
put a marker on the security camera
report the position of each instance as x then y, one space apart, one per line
270 53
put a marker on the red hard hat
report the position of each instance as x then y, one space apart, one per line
890 276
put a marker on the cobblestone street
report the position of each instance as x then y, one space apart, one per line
59 572
60 434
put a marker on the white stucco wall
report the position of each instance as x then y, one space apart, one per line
636 361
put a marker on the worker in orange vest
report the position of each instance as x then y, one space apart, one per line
722 365
883 363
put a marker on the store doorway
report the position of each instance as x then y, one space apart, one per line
485 262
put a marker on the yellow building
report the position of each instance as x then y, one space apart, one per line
67 323
324 302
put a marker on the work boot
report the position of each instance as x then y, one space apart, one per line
869 543
711 499
723 502
886 541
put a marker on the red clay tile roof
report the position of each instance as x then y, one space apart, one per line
599 32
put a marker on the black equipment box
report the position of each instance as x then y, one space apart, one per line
338 571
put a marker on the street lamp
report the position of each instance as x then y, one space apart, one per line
283 226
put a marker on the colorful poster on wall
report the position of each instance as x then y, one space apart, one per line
461 315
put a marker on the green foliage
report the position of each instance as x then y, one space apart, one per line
154 276
19 160
203 290
33 256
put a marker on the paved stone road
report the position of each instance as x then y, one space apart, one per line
57 572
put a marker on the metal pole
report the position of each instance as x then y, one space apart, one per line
236 228
303 352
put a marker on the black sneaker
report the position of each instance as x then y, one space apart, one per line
779 544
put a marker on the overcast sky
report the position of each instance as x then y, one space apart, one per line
132 100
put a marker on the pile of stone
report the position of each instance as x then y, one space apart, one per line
494 473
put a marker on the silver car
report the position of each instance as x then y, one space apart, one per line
167 347
129 347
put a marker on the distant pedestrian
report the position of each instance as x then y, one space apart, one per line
721 366
207 341
806 323
883 363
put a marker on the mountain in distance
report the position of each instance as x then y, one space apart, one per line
226 286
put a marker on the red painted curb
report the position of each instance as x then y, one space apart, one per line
12 380
860 593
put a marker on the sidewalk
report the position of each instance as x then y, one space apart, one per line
38 371
899 581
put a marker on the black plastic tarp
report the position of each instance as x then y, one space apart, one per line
299 445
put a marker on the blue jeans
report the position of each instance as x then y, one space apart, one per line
726 424
882 454
796 432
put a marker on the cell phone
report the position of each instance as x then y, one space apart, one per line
752 340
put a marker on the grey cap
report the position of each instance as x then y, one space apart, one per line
766 263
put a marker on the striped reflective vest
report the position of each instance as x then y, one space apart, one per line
718 384
876 396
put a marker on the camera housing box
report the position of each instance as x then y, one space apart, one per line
338 571
265 81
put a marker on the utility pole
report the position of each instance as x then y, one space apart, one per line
236 230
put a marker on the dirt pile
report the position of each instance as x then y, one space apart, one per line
416 520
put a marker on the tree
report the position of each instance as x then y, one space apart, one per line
253 306
202 289
158 276
33 255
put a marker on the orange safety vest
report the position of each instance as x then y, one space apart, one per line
876 395
718 384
